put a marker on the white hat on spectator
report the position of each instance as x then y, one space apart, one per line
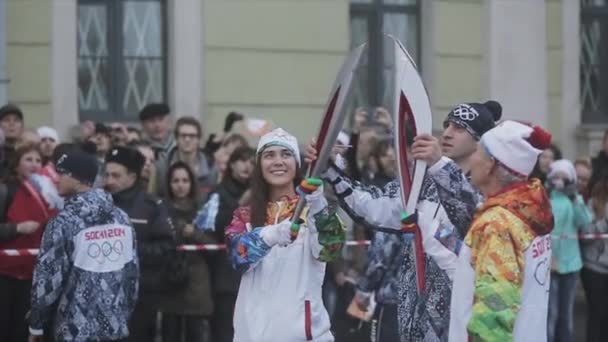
48 132
564 166
343 138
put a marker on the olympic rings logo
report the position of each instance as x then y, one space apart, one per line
465 112
105 251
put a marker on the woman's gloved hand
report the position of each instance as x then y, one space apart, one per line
277 234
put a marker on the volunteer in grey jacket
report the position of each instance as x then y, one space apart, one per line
86 276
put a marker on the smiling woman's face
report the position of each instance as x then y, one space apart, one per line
278 166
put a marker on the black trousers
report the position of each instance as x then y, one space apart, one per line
221 321
177 328
596 293
14 305
385 327
142 324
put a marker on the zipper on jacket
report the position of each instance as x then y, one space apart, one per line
308 320
280 207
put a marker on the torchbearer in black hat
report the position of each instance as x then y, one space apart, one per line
87 255
154 233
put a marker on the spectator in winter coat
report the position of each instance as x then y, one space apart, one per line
29 197
11 122
187 308
102 138
154 234
156 123
148 172
571 215
583 176
214 217
223 153
594 275
600 163
49 139
87 256
548 156
217 142
188 133
384 170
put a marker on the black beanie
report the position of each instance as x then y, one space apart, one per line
128 157
476 118
9 109
154 110
78 165
102 129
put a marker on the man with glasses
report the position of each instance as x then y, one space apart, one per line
188 133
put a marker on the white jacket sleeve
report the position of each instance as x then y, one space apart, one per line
373 207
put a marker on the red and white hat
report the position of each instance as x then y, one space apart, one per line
516 145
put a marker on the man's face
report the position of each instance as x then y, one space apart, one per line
583 174
156 128
242 170
12 126
367 139
47 146
545 159
188 139
457 143
482 167
102 142
66 185
117 178
148 168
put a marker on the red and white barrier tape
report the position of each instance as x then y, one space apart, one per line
592 236
208 247
219 247
18 252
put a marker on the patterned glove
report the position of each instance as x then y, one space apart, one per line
409 222
311 187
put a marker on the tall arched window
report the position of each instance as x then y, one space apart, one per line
122 57
594 60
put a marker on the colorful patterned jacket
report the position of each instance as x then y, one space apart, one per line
280 297
501 287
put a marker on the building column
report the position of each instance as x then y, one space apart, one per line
3 77
64 65
516 58
187 58
571 48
